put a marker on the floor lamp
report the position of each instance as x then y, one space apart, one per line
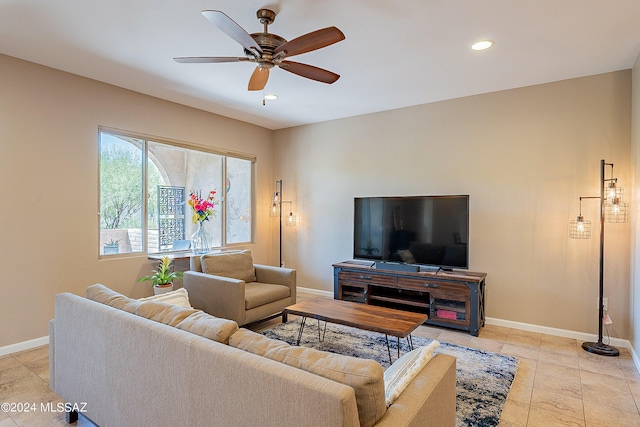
276 211
611 210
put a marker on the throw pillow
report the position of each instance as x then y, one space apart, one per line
168 314
398 376
236 265
208 326
178 297
363 375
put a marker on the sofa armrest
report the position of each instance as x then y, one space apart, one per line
429 400
216 295
277 276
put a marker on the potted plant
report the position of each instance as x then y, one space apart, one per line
111 247
162 277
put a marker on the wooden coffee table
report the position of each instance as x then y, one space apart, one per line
387 321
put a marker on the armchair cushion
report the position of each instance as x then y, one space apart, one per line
257 294
236 265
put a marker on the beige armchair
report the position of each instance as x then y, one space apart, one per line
230 286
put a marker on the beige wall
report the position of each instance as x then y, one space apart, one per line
524 156
634 297
49 179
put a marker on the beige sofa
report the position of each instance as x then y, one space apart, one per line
128 362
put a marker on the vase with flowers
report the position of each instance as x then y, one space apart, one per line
202 207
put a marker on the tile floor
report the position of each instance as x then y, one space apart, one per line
557 383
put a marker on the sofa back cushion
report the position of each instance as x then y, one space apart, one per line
103 295
236 265
168 314
208 326
363 375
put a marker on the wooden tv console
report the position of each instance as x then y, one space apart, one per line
452 299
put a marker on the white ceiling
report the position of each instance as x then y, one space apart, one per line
396 53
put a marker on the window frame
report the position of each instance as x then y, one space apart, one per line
224 153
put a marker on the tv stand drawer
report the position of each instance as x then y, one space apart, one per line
433 286
366 277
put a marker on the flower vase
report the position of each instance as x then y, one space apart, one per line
201 240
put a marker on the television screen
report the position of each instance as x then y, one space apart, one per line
426 230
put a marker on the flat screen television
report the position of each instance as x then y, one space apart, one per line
423 230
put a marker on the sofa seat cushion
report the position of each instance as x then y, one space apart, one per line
208 326
365 376
168 314
236 265
103 295
257 294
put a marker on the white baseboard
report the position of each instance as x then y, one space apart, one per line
316 292
582 336
617 342
24 345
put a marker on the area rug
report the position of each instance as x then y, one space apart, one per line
483 378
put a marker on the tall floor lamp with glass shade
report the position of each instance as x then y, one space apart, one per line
276 211
613 210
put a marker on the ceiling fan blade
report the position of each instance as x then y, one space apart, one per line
259 78
208 59
309 71
232 29
311 41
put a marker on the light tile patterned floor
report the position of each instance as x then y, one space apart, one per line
557 383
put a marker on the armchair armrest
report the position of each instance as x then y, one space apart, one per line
217 295
277 276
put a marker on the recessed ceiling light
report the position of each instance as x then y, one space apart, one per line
271 97
482 45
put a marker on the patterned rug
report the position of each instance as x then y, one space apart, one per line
483 378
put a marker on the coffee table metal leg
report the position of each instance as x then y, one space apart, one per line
302 322
324 331
386 338
410 341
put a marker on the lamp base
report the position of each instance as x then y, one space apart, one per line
600 348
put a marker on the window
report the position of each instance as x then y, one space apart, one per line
134 169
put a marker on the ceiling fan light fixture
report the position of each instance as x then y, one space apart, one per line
482 45
271 97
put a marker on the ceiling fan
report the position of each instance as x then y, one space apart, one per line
268 50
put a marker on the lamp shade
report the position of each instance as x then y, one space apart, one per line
291 220
580 228
616 212
275 205
613 194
